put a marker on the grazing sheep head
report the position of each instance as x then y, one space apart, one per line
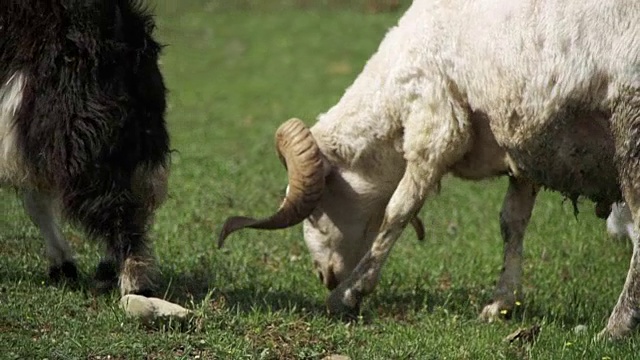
341 207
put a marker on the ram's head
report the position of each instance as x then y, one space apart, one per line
341 208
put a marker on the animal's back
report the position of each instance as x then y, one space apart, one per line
515 59
529 67
528 55
90 89
544 73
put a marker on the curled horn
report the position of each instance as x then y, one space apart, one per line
299 153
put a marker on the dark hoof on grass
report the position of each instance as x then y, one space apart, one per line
143 292
106 276
339 310
65 271
347 315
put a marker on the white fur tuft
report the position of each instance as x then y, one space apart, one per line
12 170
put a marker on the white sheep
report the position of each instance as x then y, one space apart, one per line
545 91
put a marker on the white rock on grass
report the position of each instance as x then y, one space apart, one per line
150 309
336 357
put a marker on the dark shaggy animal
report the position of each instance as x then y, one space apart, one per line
82 130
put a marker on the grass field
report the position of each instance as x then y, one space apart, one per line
236 69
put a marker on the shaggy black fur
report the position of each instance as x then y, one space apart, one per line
93 107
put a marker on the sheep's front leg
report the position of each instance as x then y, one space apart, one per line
437 134
406 200
41 210
514 217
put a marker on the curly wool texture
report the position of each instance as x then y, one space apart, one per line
524 65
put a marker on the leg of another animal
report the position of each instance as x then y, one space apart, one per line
625 316
123 225
149 185
514 218
107 271
41 209
128 251
129 254
138 270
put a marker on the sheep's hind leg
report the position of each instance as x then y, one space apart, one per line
41 210
514 218
625 316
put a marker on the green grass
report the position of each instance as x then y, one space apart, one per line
235 73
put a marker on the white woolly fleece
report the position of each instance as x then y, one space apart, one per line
509 59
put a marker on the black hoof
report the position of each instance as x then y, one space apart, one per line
143 292
339 310
347 315
106 276
65 271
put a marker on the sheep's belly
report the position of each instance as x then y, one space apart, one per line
572 155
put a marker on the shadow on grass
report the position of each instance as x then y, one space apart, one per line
192 286
572 312
405 304
401 302
85 282
199 283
